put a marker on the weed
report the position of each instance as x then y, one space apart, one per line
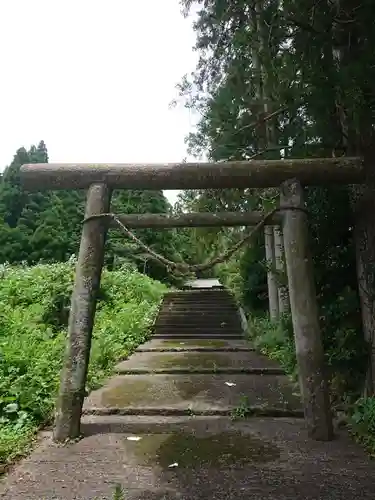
118 493
243 410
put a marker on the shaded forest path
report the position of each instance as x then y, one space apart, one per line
169 424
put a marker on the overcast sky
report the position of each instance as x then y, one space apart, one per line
93 79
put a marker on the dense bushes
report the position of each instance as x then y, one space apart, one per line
276 341
362 423
34 305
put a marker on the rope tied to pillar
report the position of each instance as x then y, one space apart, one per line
183 267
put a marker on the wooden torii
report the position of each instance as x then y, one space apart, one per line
101 179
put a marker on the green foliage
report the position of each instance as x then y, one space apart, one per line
345 353
228 274
253 274
34 226
33 320
362 423
275 339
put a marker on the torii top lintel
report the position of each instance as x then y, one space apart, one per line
219 175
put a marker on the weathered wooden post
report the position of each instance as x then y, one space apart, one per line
81 318
273 299
283 294
307 334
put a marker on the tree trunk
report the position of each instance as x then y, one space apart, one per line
305 316
271 278
283 294
81 318
364 235
359 137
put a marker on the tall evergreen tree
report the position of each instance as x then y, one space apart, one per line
46 226
321 103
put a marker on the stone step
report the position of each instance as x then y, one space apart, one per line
201 300
202 292
193 349
209 313
197 327
194 394
198 313
176 333
206 328
195 345
192 316
172 322
200 371
197 336
179 330
199 293
199 306
195 411
200 328
190 291
199 362
201 297
199 309
142 425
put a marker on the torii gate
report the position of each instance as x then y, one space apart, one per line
101 179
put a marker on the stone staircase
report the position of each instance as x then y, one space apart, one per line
198 362
202 313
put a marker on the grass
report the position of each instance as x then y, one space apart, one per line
34 309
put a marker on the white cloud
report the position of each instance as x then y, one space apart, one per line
93 79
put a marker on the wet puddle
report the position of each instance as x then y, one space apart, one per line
186 450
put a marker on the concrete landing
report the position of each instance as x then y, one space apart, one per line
195 459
